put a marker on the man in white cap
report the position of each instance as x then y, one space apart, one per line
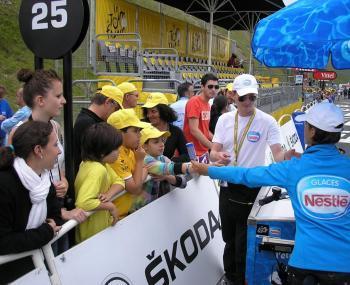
241 138
318 184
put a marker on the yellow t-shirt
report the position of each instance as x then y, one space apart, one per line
124 167
93 179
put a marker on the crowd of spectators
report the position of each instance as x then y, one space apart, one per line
123 163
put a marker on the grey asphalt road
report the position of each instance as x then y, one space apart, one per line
344 142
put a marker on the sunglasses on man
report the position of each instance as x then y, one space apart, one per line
211 86
251 97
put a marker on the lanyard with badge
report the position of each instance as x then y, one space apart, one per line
237 146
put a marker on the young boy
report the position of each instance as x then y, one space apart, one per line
163 171
129 164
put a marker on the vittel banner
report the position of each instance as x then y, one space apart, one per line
324 197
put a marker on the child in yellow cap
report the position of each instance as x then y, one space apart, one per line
129 164
164 172
96 182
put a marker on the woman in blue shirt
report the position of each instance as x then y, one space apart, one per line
5 112
318 184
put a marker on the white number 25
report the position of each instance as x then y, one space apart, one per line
41 11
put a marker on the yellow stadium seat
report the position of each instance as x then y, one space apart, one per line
153 60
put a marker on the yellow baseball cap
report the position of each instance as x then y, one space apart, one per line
125 118
127 87
154 99
229 86
151 132
112 92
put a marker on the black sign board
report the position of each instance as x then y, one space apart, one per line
52 28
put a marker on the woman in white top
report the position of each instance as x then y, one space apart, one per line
43 93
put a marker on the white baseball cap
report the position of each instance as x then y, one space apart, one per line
245 84
324 116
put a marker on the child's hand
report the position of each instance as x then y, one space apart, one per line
105 197
114 213
140 154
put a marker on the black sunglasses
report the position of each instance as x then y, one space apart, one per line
211 86
250 97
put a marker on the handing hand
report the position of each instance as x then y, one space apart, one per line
199 168
2 118
223 158
61 187
53 225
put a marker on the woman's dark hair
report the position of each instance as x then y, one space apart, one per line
166 114
323 137
25 138
100 140
219 104
36 83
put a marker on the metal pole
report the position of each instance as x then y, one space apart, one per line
92 30
68 125
38 63
210 36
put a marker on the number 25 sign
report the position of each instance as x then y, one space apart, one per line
51 28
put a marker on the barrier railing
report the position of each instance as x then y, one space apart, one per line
46 252
158 85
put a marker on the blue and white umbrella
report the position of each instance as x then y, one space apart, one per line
305 34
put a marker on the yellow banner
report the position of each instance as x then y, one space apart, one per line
150 28
175 35
220 48
197 45
115 16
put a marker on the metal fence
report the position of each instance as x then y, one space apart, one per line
271 99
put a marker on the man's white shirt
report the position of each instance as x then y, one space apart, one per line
263 132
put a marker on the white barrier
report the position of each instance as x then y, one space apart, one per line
290 137
175 239
38 276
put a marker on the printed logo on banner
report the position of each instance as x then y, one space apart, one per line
253 136
116 278
324 197
275 232
188 245
262 230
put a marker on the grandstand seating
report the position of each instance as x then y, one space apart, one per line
116 57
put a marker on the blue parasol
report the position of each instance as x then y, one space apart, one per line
305 34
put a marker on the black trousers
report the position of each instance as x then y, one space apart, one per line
297 276
235 204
